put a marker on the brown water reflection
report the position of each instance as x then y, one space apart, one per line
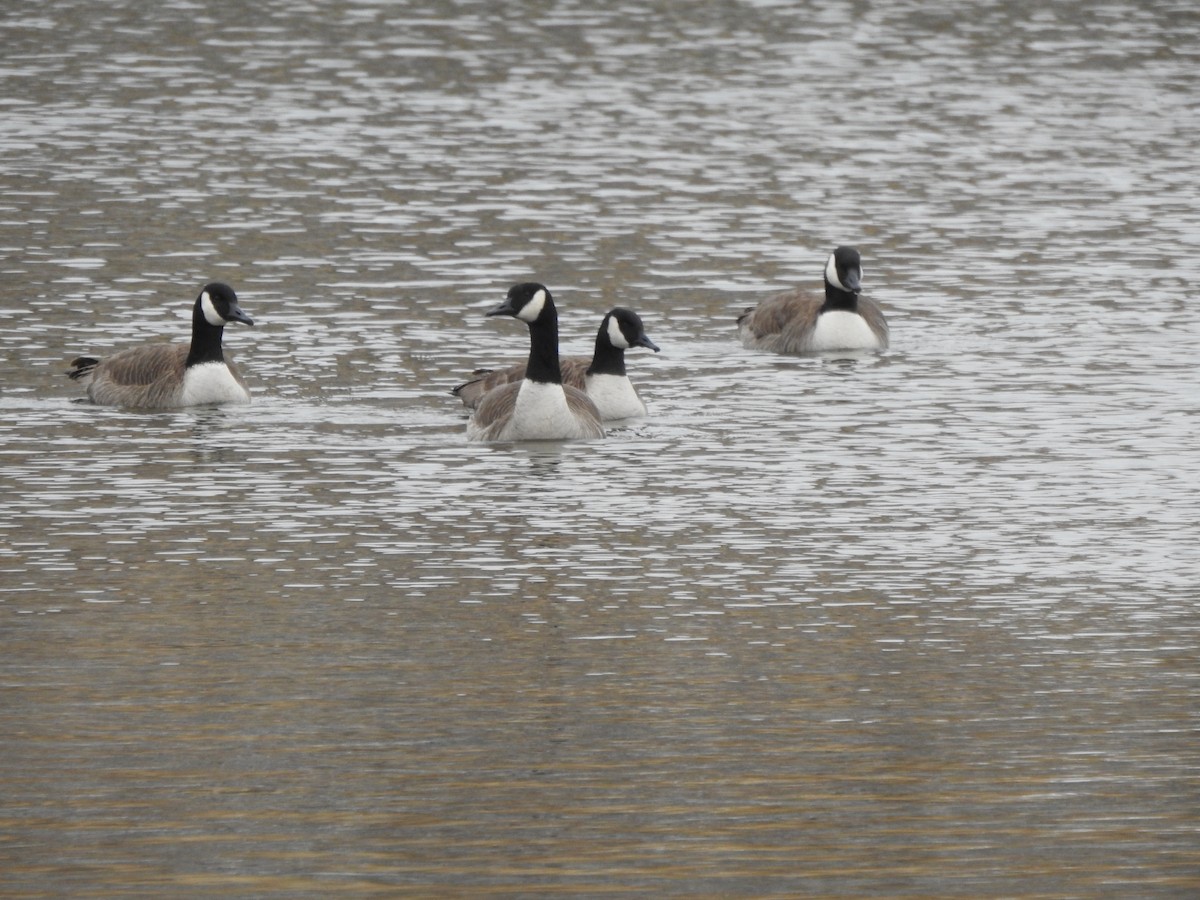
918 624
418 752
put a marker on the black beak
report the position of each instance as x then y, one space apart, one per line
504 309
644 341
235 314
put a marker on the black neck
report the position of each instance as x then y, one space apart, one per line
606 359
836 298
543 349
206 339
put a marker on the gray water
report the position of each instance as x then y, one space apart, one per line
922 623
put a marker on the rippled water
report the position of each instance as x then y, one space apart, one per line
916 624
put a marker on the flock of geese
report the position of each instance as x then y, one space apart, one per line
546 398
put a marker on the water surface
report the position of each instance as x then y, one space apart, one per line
920 623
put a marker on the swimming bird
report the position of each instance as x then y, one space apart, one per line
804 322
160 376
603 377
539 407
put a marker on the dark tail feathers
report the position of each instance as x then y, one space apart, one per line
81 366
479 374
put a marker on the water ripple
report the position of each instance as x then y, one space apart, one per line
928 612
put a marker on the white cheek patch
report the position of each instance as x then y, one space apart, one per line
616 337
531 310
831 274
210 311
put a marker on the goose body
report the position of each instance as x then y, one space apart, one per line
805 322
603 377
539 407
162 376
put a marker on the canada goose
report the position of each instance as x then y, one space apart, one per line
158 376
803 322
603 377
538 407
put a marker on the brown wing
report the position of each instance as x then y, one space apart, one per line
873 315
574 371
486 380
141 365
472 392
780 323
493 411
585 411
142 376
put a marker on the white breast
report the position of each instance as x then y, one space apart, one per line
542 414
211 383
842 330
615 397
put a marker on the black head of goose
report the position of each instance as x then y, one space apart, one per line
603 377
539 407
160 376
804 322
606 380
